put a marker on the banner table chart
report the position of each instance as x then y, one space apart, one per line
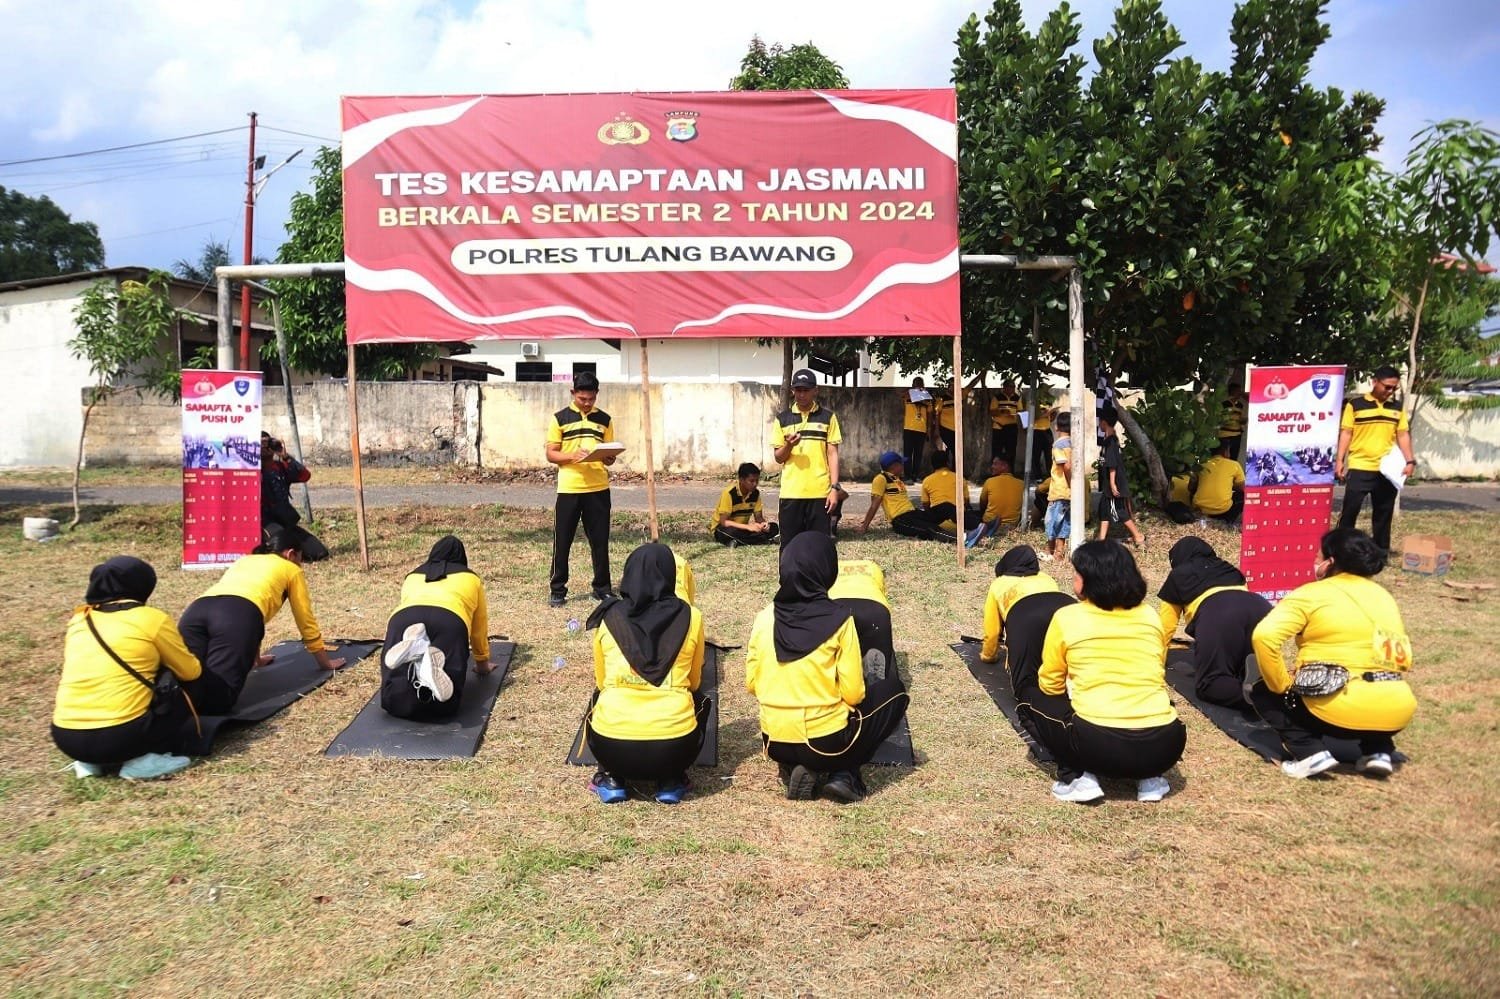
220 466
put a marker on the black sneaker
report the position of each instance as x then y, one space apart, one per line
602 594
801 784
841 787
556 601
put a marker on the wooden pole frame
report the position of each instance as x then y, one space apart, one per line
647 436
960 487
359 479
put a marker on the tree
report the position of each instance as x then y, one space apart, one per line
120 329
801 67
312 310
38 239
1217 218
213 255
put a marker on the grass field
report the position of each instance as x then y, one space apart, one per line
269 870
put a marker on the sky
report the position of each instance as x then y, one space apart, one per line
80 76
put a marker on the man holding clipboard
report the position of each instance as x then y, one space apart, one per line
581 443
1373 426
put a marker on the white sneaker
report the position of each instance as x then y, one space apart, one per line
1152 789
1310 767
1376 765
428 673
412 644
82 770
1082 791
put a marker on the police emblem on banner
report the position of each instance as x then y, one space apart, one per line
242 385
623 130
1321 385
682 126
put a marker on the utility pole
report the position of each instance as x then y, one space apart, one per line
249 250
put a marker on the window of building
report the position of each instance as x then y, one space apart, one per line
533 371
579 367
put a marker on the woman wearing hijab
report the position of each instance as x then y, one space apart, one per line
1209 596
1019 607
1101 703
819 719
647 721
1346 619
103 717
440 619
225 626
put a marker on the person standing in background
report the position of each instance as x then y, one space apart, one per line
916 426
1232 420
573 434
806 438
1005 421
1370 425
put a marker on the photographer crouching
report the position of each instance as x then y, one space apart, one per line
278 470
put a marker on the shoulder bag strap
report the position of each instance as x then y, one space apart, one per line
113 655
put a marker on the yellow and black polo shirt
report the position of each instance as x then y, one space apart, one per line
892 494
1375 425
1232 418
572 430
1004 410
740 509
805 473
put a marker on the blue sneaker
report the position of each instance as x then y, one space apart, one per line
153 766
609 790
672 792
972 538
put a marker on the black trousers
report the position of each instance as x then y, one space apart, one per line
1079 745
1236 508
1041 454
798 515
948 437
1234 445
726 536
947 511
593 510
1302 731
1382 492
922 524
872 623
1025 633
1003 444
869 724
912 443
114 744
225 633
1221 642
661 760
446 631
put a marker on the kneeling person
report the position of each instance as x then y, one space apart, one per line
441 618
740 518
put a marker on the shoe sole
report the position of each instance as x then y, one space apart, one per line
801 785
440 681
1377 769
397 653
609 797
844 794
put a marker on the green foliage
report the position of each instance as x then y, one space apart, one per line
801 67
312 310
122 331
212 256
1183 427
38 239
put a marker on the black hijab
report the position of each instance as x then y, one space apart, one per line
1195 570
648 620
122 578
446 558
1019 561
805 615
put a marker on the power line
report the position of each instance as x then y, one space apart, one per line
288 131
115 149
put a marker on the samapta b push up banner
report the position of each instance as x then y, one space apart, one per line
1291 431
220 466
630 215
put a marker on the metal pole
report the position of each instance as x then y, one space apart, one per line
1076 511
960 487
291 404
249 250
646 434
226 336
359 479
1026 503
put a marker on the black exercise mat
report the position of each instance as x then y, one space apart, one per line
375 733
291 676
896 750
995 681
708 684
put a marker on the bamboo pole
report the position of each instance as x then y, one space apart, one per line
960 487
1076 511
646 435
359 479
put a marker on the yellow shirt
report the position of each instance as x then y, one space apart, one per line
1180 492
572 430
944 406
1043 417
805 473
1111 663
859 579
1003 410
686 586
1354 622
894 500
1061 488
1172 613
916 416
1216 481
1232 420
810 697
740 509
460 592
1374 425
268 581
629 706
94 691
1002 595
941 487
1000 496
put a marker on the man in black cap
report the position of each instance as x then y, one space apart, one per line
806 440
573 434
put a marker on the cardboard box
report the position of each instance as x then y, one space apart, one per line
1428 554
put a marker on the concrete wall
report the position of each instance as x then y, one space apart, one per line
40 380
1456 443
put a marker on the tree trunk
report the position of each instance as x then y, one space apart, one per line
786 373
1409 380
1161 488
78 464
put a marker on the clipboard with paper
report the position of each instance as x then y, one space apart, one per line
1393 466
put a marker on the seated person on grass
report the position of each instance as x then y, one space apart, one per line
441 617
647 720
940 493
819 720
999 502
1221 487
1209 596
740 519
888 493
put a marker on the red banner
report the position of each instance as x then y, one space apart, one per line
1291 431
630 215
220 466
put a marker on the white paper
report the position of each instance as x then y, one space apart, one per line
1025 418
919 395
1393 466
605 450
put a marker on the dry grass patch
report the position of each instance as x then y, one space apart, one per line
267 869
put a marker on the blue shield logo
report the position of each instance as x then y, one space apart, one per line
242 385
1321 385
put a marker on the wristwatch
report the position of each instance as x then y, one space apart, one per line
833 486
